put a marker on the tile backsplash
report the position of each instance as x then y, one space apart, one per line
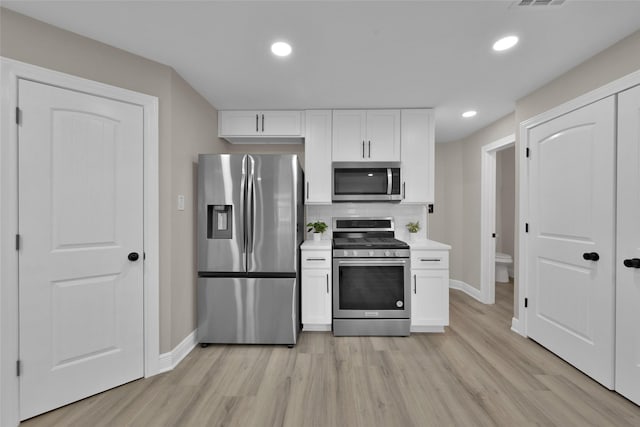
402 214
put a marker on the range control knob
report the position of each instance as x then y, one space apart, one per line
371 253
398 253
387 253
355 253
346 253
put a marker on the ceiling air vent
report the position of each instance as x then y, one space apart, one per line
540 2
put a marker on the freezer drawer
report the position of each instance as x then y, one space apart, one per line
247 310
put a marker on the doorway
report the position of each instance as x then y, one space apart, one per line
491 238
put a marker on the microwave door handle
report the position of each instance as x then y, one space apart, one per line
389 180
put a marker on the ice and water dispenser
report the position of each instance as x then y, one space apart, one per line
219 221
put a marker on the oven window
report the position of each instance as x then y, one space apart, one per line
360 181
371 287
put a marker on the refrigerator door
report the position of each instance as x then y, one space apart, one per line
247 311
221 213
273 203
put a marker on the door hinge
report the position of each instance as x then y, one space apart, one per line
18 115
526 227
526 302
18 368
528 153
17 242
493 235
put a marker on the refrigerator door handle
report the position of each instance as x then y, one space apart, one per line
243 198
250 222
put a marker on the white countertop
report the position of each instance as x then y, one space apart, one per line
429 244
317 244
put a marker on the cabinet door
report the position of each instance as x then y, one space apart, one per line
316 297
281 123
627 375
430 297
349 134
238 123
383 135
317 157
417 149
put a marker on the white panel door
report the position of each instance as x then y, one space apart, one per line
383 135
430 298
316 297
80 216
284 123
317 156
417 142
349 134
628 249
238 123
571 203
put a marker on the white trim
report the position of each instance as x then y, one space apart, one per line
430 329
169 360
616 86
11 71
315 328
466 288
488 216
515 326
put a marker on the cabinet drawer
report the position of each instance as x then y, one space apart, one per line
430 260
316 260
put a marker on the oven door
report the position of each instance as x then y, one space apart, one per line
376 288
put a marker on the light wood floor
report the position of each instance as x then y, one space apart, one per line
478 373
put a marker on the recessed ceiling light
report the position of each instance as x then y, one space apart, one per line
281 49
469 113
505 43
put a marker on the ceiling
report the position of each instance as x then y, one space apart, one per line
355 54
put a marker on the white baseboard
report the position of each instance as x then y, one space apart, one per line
466 288
422 328
169 360
315 328
515 326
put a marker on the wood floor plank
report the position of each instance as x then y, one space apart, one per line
478 373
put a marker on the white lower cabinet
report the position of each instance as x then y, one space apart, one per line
316 286
429 290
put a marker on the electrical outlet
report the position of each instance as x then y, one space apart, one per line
180 202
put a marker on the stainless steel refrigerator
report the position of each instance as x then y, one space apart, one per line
250 227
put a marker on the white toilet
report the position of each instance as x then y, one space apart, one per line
503 261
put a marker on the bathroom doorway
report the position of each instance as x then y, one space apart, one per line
497 217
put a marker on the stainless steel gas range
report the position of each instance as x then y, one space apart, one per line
371 278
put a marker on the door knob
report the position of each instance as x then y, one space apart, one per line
133 256
591 256
632 263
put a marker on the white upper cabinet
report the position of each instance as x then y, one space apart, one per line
247 126
366 135
317 157
417 156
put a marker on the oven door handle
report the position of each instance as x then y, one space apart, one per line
373 261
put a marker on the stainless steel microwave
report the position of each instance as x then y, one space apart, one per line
366 181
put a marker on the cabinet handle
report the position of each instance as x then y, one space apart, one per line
307 190
263 123
632 263
415 284
316 259
327 283
429 259
403 189
256 123
369 149
590 256
363 148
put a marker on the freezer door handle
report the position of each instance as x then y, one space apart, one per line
243 198
252 205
